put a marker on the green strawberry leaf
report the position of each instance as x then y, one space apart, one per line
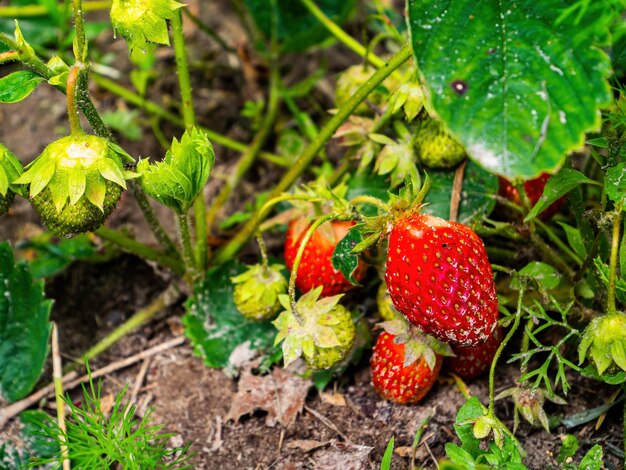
296 28
543 274
48 255
213 323
614 378
518 88
477 199
464 423
556 187
593 460
18 85
615 183
344 259
24 327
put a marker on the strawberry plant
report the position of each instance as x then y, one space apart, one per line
426 193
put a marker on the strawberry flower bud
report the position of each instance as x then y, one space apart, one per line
10 170
257 289
180 177
604 341
142 21
325 336
75 183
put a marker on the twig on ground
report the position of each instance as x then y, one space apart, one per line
328 423
57 382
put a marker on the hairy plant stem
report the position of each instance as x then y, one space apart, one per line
80 40
189 118
615 239
309 153
341 35
182 224
263 250
168 297
153 108
249 156
507 338
30 11
72 110
134 247
364 199
296 263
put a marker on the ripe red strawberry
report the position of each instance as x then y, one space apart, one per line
316 268
534 190
396 381
471 361
439 277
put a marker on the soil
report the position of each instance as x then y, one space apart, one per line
191 399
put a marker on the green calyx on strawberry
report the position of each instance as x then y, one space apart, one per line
410 97
257 289
325 336
529 403
436 148
10 170
386 310
604 342
397 158
316 268
76 183
405 363
471 361
143 21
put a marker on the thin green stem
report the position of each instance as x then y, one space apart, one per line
137 248
615 238
80 40
249 156
296 263
31 61
554 238
182 223
263 250
72 109
364 199
494 362
341 35
309 153
30 11
153 108
167 298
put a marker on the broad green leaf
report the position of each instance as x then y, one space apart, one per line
477 194
545 275
24 327
518 90
465 417
569 446
593 460
18 85
460 457
343 259
575 240
556 187
615 183
213 323
297 29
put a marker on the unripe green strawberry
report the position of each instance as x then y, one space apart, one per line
75 183
436 148
604 341
257 289
386 310
322 332
10 170
351 79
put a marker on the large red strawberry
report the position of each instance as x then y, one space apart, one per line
439 277
534 190
316 268
394 379
471 361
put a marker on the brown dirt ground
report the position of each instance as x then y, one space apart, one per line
191 399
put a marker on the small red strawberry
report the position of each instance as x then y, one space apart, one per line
438 275
316 268
471 361
534 190
400 380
